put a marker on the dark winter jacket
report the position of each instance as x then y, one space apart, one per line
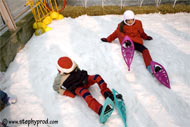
77 78
2 105
67 83
3 99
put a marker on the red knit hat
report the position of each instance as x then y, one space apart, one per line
65 65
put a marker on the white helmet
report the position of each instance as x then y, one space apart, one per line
129 15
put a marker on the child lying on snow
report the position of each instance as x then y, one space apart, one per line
71 81
5 100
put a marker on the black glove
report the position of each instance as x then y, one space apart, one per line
104 39
149 38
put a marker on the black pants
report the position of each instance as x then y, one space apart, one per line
139 47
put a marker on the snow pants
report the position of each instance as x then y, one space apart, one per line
145 53
85 93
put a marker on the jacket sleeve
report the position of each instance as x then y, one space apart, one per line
66 93
69 94
114 35
142 33
56 83
56 87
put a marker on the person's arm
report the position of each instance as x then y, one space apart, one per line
69 94
58 89
66 93
143 34
112 36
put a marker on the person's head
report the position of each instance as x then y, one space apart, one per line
65 65
129 17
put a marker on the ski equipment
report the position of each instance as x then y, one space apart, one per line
120 106
127 49
160 74
105 115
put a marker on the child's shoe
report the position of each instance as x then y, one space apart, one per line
11 100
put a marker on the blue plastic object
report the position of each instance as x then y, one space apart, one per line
120 105
149 69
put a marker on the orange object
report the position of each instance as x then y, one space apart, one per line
68 93
59 10
146 56
92 102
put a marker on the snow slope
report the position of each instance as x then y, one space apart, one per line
30 76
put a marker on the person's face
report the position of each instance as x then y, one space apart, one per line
130 21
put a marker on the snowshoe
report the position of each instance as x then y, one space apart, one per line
127 50
160 73
120 105
106 110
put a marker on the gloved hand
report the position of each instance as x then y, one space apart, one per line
149 38
104 39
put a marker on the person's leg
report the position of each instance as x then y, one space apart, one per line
145 53
92 102
92 79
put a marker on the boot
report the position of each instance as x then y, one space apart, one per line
157 69
119 96
109 94
11 101
108 109
126 44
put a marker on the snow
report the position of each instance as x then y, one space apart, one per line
149 104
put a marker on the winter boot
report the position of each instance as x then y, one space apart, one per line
11 101
119 96
109 94
126 44
156 69
149 69
108 109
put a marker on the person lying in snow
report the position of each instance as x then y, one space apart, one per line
71 81
5 100
134 29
